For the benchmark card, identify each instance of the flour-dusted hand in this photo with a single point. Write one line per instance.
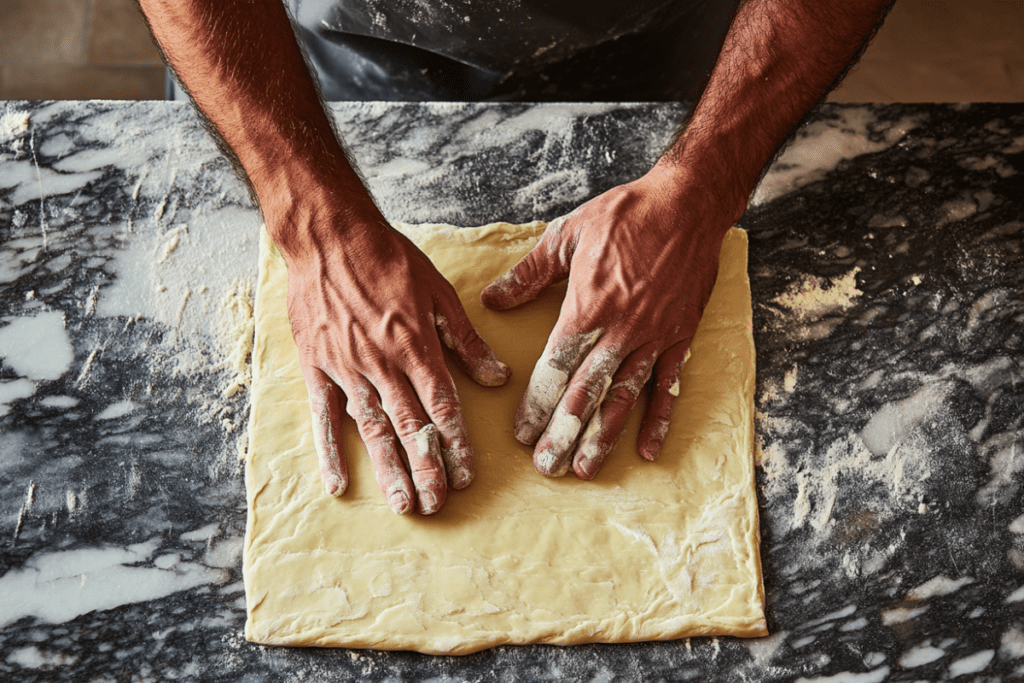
(369, 318)
(368, 310)
(641, 261)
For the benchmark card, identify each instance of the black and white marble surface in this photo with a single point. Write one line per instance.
(887, 268)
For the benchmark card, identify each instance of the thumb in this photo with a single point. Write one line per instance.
(469, 349)
(546, 264)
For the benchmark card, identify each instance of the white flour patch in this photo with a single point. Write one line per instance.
(195, 278)
(814, 297)
(12, 124)
(895, 481)
(893, 422)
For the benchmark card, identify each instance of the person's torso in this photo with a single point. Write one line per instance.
(511, 49)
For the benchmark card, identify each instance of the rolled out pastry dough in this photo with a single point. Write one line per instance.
(646, 551)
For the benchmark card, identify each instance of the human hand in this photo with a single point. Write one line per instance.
(641, 260)
(369, 316)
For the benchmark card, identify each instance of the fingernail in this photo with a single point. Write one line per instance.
(547, 463)
(399, 502)
(428, 502)
(461, 478)
(492, 373)
(584, 468)
(333, 485)
(504, 372)
(650, 450)
(499, 292)
(527, 433)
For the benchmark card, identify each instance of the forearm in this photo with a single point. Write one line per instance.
(779, 59)
(242, 66)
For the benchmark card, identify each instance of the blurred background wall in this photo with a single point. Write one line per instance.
(928, 51)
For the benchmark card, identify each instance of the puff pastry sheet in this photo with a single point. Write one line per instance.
(646, 551)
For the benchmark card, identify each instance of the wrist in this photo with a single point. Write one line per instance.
(703, 182)
(308, 217)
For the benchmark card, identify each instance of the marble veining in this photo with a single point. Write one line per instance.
(886, 268)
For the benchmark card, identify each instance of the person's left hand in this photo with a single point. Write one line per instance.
(641, 261)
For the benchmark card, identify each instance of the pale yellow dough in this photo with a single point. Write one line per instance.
(646, 551)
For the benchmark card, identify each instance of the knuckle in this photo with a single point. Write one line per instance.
(527, 270)
(441, 396)
(592, 391)
(446, 413)
(372, 430)
(469, 343)
(407, 424)
(623, 393)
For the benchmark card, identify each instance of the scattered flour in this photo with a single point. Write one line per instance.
(171, 239)
(235, 332)
(897, 477)
(891, 424)
(813, 297)
(12, 124)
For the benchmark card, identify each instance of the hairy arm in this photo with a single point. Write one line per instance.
(242, 66)
(644, 256)
(368, 310)
(780, 59)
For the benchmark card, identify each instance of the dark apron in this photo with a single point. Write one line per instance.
(533, 50)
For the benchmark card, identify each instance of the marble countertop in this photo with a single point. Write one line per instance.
(888, 285)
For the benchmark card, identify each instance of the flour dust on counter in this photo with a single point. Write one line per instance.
(124, 286)
(903, 561)
(891, 315)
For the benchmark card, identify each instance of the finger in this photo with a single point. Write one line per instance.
(545, 264)
(382, 445)
(585, 392)
(419, 438)
(663, 397)
(605, 425)
(325, 407)
(548, 381)
(471, 352)
(441, 401)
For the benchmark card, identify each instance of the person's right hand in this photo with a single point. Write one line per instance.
(369, 315)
